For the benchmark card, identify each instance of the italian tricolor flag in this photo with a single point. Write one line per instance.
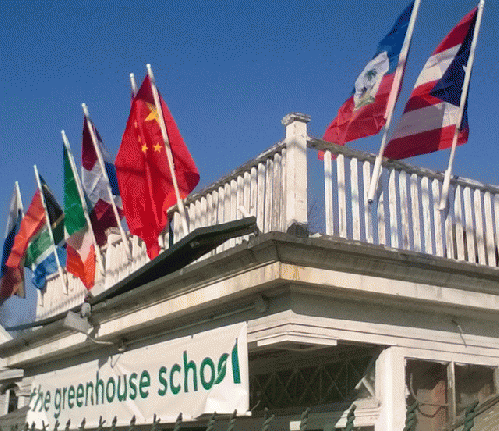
(80, 243)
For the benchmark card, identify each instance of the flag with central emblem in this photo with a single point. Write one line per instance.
(364, 112)
(142, 170)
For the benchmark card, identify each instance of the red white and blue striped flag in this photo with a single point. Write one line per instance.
(431, 114)
(365, 111)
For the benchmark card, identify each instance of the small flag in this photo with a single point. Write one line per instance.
(80, 242)
(430, 116)
(365, 111)
(40, 257)
(142, 168)
(12, 279)
(32, 222)
(95, 184)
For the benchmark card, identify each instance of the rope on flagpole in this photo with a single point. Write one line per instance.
(392, 99)
(169, 154)
(51, 234)
(108, 184)
(82, 200)
(462, 102)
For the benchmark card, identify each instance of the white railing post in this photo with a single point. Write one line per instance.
(296, 205)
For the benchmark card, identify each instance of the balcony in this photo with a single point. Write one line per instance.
(287, 190)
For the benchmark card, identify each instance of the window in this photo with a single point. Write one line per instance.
(444, 390)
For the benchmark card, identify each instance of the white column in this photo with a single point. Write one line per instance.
(390, 389)
(296, 173)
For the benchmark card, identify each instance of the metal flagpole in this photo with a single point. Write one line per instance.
(51, 234)
(392, 100)
(133, 85)
(104, 173)
(169, 154)
(82, 200)
(19, 200)
(464, 94)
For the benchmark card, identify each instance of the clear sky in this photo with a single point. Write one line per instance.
(228, 70)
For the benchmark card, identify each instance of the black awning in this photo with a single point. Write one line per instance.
(199, 242)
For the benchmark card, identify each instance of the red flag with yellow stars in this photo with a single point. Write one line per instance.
(142, 170)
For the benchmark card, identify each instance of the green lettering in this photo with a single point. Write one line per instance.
(236, 373)
(57, 403)
(90, 391)
(110, 397)
(64, 392)
(222, 368)
(80, 393)
(99, 383)
(133, 386)
(207, 362)
(122, 396)
(190, 366)
(145, 382)
(71, 395)
(175, 369)
(162, 381)
(46, 403)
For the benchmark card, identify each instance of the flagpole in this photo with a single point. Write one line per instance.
(392, 99)
(462, 102)
(133, 85)
(51, 234)
(19, 200)
(82, 200)
(169, 154)
(104, 173)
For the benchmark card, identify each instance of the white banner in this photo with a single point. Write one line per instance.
(203, 373)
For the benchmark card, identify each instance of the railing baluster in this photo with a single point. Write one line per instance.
(425, 199)
(268, 195)
(404, 211)
(449, 238)
(489, 227)
(416, 221)
(282, 209)
(276, 192)
(459, 231)
(480, 243)
(470, 233)
(233, 207)
(328, 192)
(392, 202)
(240, 209)
(437, 218)
(381, 219)
(247, 192)
(254, 191)
(227, 203)
(261, 197)
(342, 201)
(354, 186)
(368, 225)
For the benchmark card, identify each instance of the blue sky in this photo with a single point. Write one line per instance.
(228, 70)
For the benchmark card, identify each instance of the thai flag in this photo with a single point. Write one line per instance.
(96, 185)
(364, 113)
(430, 116)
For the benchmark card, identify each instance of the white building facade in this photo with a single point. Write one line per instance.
(342, 303)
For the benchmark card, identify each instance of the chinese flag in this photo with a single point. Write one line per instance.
(142, 170)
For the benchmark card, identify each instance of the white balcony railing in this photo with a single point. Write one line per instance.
(273, 187)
